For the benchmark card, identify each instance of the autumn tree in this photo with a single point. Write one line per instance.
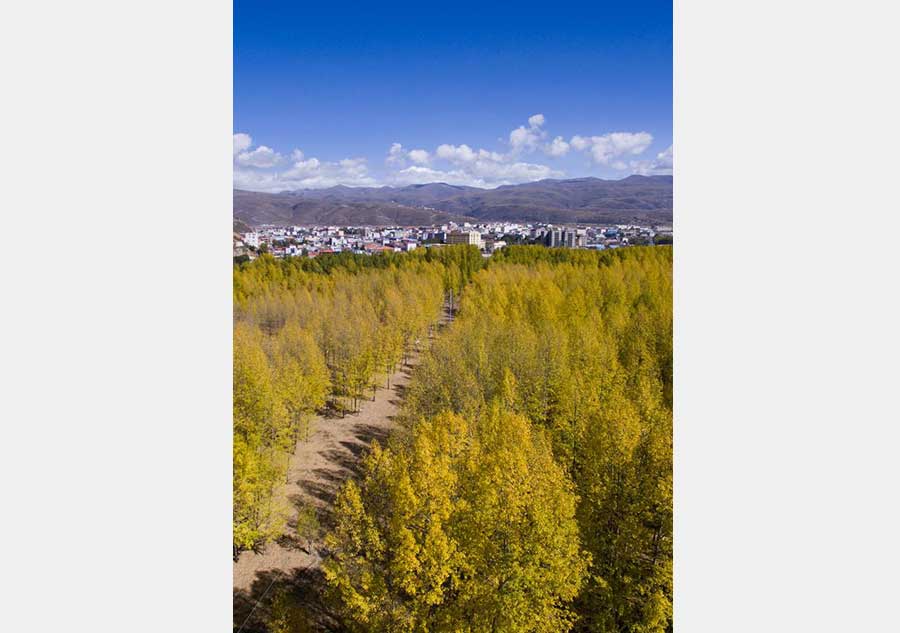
(465, 526)
(306, 332)
(537, 425)
(261, 431)
(581, 345)
(284, 615)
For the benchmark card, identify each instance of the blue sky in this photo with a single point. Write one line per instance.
(467, 93)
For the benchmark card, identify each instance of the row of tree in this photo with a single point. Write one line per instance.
(278, 381)
(312, 336)
(532, 489)
(458, 264)
(469, 526)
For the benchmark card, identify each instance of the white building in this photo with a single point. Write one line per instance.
(472, 238)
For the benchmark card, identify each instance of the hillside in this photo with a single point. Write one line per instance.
(265, 208)
(579, 200)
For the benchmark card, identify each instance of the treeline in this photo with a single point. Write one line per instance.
(278, 381)
(525, 254)
(532, 490)
(311, 336)
(264, 274)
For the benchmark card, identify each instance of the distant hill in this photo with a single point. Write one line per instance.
(580, 200)
(352, 209)
(239, 226)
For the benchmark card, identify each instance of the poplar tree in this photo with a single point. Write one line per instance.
(468, 526)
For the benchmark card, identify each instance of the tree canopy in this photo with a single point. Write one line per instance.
(580, 344)
(529, 486)
(310, 334)
(467, 526)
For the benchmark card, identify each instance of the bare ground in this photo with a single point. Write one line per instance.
(318, 468)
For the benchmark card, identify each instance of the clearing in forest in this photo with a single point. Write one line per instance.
(318, 468)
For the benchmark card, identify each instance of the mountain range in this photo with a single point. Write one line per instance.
(638, 199)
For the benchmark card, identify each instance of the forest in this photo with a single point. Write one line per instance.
(528, 486)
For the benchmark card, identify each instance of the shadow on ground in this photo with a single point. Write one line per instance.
(305, 589)
(306, 586)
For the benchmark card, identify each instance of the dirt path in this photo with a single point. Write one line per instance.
(317, 469)
(316, 472)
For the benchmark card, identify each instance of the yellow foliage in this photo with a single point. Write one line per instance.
(466, 526)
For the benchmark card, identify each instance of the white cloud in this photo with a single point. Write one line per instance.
(262, 156)
(395, 154)
(606, 149)
(527, 139)
(617, 144)
(483, 154)
(536, 120)
(457, 154)
(662, 165)
(416, 175)
(303, 169)
(481, 168)
(258, 181)
(666, 159)
(305, 173)
(240, 142)
(419, 156)
(580, 143)
(478, 173)
(523, 138)
(558, 147)
(258, 169)
(354, 168)
(497, 174)
(253, 170)
(315, 174)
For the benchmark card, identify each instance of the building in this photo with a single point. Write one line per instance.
(566, 238)
(371, 249)
(239, 249)
(553, 237)
(251, 239)
(472, 238)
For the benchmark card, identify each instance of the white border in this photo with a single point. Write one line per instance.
(786, 315)
(115, 459)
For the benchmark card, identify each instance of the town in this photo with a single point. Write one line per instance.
(311, 241)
